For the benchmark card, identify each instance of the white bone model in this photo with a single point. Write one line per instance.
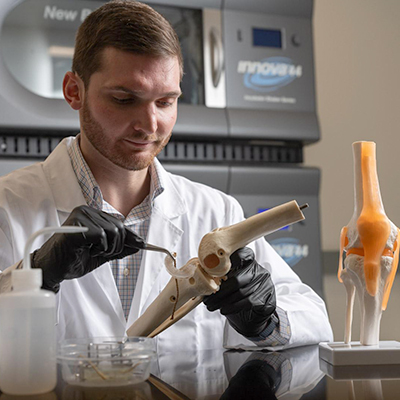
(370, 241)
(202, 276)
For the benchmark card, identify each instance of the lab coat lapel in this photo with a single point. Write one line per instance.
(67, 195)
(106, 284)
(61, 177)
(164, 232)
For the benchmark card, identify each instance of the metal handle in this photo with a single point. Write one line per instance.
(216, 56)
(214, 59)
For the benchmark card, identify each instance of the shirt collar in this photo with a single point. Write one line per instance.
(91, 189)
(156, 181)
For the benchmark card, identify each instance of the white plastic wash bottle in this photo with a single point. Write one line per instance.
(27, 329)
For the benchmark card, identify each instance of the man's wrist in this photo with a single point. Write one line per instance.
(271, 325)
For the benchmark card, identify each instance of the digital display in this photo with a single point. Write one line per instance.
(267, 38)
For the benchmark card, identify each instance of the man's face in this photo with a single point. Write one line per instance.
(129, 108)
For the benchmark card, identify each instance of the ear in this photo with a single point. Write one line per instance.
(74, 90)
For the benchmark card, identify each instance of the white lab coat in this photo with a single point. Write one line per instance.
(44, 194)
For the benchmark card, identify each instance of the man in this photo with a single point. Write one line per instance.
(125, 84)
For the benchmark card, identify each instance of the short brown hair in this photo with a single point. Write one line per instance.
(125, 25)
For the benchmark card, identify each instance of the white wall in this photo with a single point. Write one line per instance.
(357, 62)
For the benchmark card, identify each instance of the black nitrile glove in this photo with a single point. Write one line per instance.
(247, 297)
(256, 380)
(72, 255)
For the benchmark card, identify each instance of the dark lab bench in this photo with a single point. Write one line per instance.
(235, 375)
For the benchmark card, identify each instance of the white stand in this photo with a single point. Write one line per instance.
(359, 372)
(339, 353)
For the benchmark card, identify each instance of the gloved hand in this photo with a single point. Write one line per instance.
(247, 297)
(68, 256)
(255, 379)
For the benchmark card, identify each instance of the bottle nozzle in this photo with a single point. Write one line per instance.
(44, 231)
(27, 278)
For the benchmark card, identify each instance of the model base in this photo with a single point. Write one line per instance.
(359, 372)
(354, 353)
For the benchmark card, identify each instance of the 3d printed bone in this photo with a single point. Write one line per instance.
(370, 242)
(204, 274)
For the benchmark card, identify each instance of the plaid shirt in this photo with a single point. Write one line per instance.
(125, 271)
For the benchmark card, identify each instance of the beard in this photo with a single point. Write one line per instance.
(117, 151)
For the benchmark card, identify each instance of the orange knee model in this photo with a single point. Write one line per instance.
(373, 226)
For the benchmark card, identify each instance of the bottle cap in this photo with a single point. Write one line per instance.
(25, 279)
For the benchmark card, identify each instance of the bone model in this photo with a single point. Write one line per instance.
(202, 276)
(370, 241)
